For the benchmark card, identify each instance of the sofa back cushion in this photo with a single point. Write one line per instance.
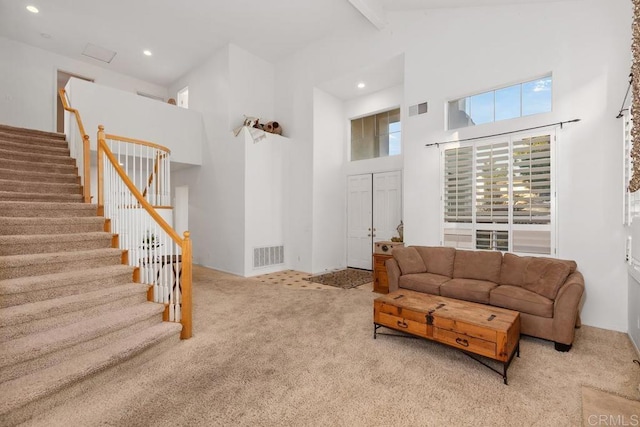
(438, 260)
(409, 260)
(543, 276)
(479, 265)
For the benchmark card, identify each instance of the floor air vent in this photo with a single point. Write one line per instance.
(269, 255)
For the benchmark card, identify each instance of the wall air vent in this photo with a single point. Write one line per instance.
(99, 53)
(268, 255)
(414, 110)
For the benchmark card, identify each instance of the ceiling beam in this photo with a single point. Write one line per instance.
(372, 10)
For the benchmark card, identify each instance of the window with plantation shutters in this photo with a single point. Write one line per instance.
(498, 195)
(532, 180)
(492, 183)
(458, 177)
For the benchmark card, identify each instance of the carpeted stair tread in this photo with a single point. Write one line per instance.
(61, 225)
(34, 141)
(36, 159)
(15, 145)
(119, 301)
(47, 243)
(38, 385)
(13, 130)
(41, 344)
(40, 177)
(12, 266)
(36, 288)
(26, 165)
(14, 185)
(25, 313)
(31, 209)
(43, 197)
(35, 259)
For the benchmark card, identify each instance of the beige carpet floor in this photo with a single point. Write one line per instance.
(604, 408)
(267, 355)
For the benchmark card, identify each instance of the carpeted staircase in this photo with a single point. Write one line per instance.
(69, 309)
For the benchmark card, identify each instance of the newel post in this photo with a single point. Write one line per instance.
(187, 276)
(100, 170)
(86, 168)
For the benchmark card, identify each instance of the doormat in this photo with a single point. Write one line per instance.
(345, 279)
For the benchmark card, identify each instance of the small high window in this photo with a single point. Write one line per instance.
(377, 135)
(522, 99)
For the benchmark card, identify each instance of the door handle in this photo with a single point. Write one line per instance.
(369, 235)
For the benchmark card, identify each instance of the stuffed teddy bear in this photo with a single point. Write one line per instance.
(273, 127)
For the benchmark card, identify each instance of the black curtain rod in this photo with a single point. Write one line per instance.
(437, 144)
(625, 97)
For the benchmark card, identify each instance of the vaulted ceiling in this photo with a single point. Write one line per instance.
(182, 34)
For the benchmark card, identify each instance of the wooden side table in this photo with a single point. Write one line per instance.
(380, 279)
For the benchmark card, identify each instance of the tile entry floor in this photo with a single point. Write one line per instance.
(295, 279)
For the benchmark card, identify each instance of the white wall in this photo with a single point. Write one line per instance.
(238, 178)
(490, 47)
(264, 185)
(634, 308)
(253, 82)
(28, 83)
(294, 110)
(329, 183)
(134, 116)
(216, 189)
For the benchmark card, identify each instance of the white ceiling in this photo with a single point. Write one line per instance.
(376, 77)
(182, 34)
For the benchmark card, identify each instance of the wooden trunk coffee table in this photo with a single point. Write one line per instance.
(475, 329)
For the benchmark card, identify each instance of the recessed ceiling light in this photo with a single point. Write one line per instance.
(361, 85)
(147, 52)
(32, 9)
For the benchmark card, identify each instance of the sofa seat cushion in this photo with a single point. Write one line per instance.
(522, 300)
(543, 276)
(428, 283)
(468, 290)
(438, 260)
(479, 265)
(409, 260)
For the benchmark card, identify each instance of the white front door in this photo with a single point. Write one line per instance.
(387, 205)
(359, 221)
(374, 211)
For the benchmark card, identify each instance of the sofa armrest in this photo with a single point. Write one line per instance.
(566, 308)
(393, 273)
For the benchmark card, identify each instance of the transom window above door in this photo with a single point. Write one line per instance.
(377, 135)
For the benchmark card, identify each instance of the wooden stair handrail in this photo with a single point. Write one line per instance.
(185, 243)
(136, 141)
(156, 166)
(86, 160)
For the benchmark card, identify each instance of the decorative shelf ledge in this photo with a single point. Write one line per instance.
(258, 134)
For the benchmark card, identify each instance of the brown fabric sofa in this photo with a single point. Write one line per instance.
(546, 291)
